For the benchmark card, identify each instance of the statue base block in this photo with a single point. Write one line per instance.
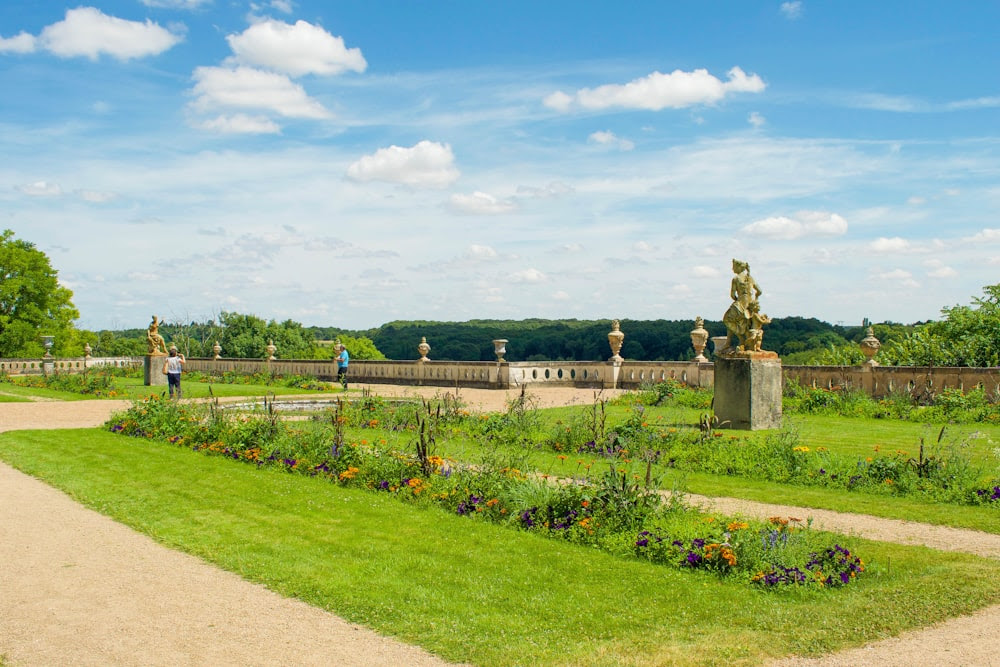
(152, 371)
(748, 391)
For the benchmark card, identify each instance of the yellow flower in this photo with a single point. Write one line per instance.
(737, 525)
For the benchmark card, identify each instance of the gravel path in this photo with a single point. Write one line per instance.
(78, 588)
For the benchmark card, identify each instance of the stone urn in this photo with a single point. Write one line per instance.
(87, 350)
(699, 338)
(615, 339)
(271, 349)
(217, 350)
(423, 348)
(719, 344)
(47, 342)
(870, 346)
(500, 349)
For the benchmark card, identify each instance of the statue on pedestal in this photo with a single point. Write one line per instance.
(744, 320)
(155, 343)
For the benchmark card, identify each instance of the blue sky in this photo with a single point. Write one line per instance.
(348, 164)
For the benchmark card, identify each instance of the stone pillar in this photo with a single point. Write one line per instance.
(748, 391)
(152, 370)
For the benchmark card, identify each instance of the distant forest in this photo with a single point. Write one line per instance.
(581, 340)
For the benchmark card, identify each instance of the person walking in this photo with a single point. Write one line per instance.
(172, 369)
(343, 358)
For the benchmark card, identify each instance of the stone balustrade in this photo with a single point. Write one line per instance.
(878, 381)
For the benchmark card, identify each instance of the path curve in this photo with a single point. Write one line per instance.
(62, 603)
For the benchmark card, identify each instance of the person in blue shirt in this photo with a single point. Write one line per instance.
(342, 360)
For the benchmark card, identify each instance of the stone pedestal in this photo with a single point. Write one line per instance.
(152, 370)
(748, 391)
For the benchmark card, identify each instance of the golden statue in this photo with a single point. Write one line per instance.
(155, 342)
(744, 319)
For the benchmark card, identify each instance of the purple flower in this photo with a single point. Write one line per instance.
(698, 543)
(642, 542)
(384, 485)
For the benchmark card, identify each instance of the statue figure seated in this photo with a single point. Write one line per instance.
(154, 341)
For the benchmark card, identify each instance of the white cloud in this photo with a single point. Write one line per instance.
(791, 10)
(282, 5)
(916, 201)
(87, 31)
(40, 189)
(561, 295)
(569, 248)
(610, 139)
(428, 163)
(302, 48)
(643, 247)
(528, 276)
(805, 223)
(480, 203)
(240, 124)
(938, 269)
(985, 236)
(245, 87)
(480, 252)
(659, 91)
(895, 244)
(20, 43)
(756, 119)
(703, 271)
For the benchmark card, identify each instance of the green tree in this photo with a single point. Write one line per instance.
(32, 302)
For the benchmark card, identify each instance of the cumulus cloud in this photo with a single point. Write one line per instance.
(428, 163)
(805, 223)
(938, 269)
(480, 252)
(528, 276)
(40, 189)
(20, 43)
(791, 10)
(240, 124)
(702, 271)
(610, 139)
(756, 119)
(658, 91)
(987, 235)
(895, 244)
(296, 50)
(479, 203)
(86, 31)
(245, 87)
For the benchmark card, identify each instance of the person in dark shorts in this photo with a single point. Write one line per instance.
(172, 369)
(342, 360)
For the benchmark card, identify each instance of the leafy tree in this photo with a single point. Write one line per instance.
(32, 302)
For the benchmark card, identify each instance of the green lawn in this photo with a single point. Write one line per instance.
(473, 592)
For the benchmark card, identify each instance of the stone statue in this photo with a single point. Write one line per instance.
(155, 342)
(744, 315)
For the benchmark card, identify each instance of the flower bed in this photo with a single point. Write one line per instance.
(612, 510)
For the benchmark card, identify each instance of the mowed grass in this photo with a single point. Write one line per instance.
(473, 592)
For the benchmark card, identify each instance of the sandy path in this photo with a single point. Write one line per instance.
(76, 587)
